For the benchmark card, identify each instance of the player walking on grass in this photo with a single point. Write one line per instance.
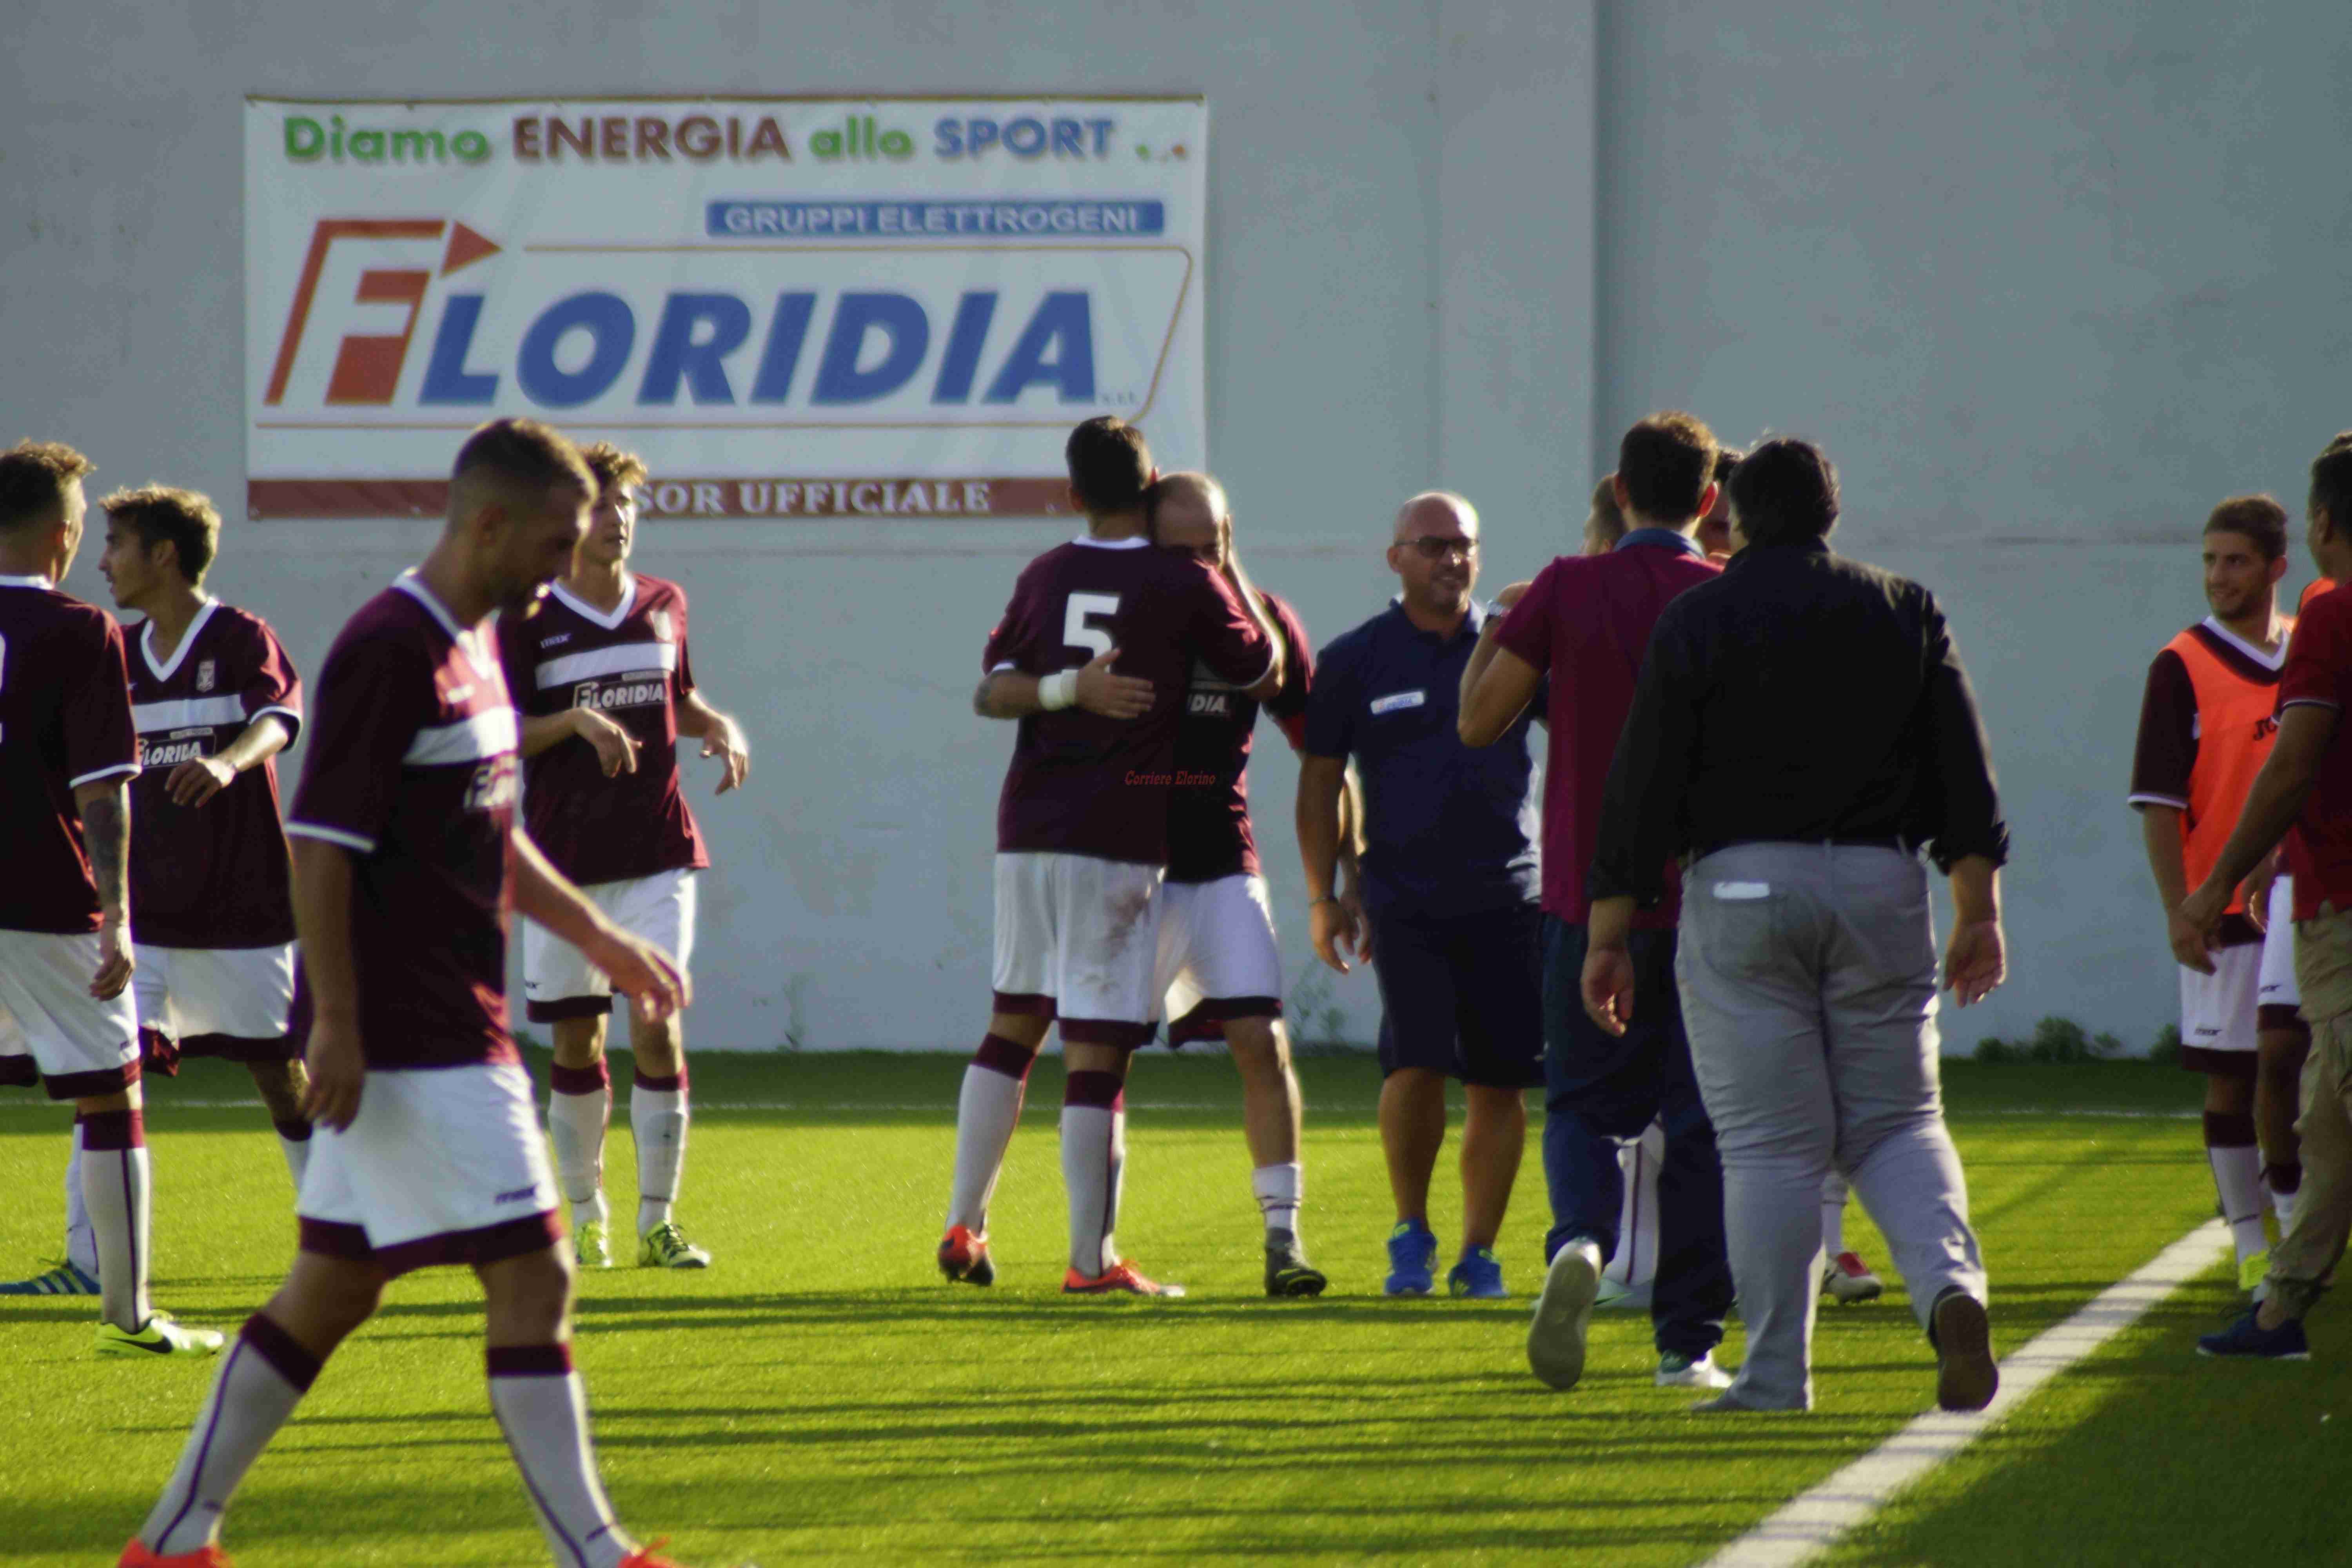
(1220, 966)
(1082, 834)
(2206, 725)
(602, 681)
(67, 752)
(407, 852)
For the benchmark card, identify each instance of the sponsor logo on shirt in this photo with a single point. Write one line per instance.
(1396, 702)
(1212, 704)
(496, 785)
(635, 689)
(558, 637)
(180, 746)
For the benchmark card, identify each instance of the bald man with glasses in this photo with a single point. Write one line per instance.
(1446, 907)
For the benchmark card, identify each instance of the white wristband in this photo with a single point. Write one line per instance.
(1056, 691)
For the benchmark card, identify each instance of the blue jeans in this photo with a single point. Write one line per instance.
(1601, 1088)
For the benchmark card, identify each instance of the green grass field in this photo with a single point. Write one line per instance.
(822, 1395)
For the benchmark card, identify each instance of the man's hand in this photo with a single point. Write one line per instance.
(194, 782)
(650, 976)
(2192, 926)
(1974, 963)
(1114, 696)
(616, 749)
(115, 962)
(725, 740)
(1607, 985)
(1339, 931)
(337, 1072)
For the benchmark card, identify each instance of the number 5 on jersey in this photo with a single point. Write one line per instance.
(1078, 615)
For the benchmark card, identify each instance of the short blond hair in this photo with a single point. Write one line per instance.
(613, 469)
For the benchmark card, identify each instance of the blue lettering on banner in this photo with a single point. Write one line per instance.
(924, 219)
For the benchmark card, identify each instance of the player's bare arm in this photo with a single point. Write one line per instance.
(2275, 799)
(1496, 684)
(323, 923)
(615, 748)
(2159, 831)
(720, 736)
(1264, 690)
(1336, 926)
(636, 966)
(106, 837)
(194, 782)
(1097, 687)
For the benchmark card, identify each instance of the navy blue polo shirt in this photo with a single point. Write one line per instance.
(1449, 829)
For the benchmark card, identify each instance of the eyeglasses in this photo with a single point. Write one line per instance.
(1430, 547)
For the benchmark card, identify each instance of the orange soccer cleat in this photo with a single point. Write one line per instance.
(963, 1256)
(1121, 1279)
(139, 1554)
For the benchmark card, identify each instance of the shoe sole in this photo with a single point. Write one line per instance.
(2251, 1355)
(166, 1349)
(974, 1270)
(1293, 1284)
(1966, 1374)
(1854, 1295)
(1563, 1319)
(1165, 1292)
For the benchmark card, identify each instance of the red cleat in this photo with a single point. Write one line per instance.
(963, 1256)
(1121, 1279)
(139, 1554)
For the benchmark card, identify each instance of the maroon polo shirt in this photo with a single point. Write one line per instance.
(1586, 622)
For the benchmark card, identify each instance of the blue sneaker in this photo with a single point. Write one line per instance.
(64, 1279)
(1413, 1256)
(1479, 1275)
(2249, 1339)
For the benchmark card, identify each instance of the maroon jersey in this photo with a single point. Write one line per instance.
(631, 666)
(213, 875)
(1081, 783)
(65, 722)
(1208, 811)
(411, 768)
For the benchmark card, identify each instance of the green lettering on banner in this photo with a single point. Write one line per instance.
(305, 139)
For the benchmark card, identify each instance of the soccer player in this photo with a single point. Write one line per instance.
(1220, 967)
(67, 751)
(1082, 834)
(603, 680)
(406, 851)
(2206, 723)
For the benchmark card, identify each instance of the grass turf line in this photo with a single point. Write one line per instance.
(820, 1394)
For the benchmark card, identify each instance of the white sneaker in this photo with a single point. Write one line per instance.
(1681, 1371)
(1564, 1315)
(1848, 1279)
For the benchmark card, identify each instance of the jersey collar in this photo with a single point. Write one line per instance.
(170, 667)
(475, 653)
(2253, 651)
(1133, 542)
(582, 608)
(35, 581)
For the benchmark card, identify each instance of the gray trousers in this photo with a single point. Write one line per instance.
(1808, 981)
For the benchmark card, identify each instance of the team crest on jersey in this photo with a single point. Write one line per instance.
(203, 674)
(659, 620)
(496, 783)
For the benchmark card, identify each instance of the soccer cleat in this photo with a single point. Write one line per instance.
(1676, 1370)
(63, 1279)
(1287, 1272)
(592, 1244)
(2251, 1271)
(1848, 1279)
(649, 1556)
(158, 1336)
(139, 1554)
(2246, 1339)
(1412, 1260)
(1966, 1378)
(1563, 1319)
(963, 1256)
(1121, 1279)
(665, 1246)
(1478, 1276)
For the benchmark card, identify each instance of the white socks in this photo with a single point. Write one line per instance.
(579, 1105)
(543, 1411)
(114, 1183)
(81, 1241)
(2238, 1177)
(261, 1380)
(987, 1110)
(657, 1117)
(1279, 1189)
(1094, 1158)
(1833, 1215)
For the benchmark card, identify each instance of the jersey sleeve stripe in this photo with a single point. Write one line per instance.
(124, 768)
(293, 720)
(2310, 702)
(2145, 798)
(622, 659)
(332, 836)
(470, 739)
(186, 712)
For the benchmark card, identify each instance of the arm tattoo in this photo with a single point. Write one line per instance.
(106, 833)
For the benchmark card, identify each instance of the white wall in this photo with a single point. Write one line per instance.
(2047, 283)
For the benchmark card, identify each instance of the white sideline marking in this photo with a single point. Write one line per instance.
(2037, 1112)
(1815, 1519)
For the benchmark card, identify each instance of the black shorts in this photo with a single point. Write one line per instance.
(1464, 995)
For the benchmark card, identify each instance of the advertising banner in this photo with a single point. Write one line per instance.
(791, 308)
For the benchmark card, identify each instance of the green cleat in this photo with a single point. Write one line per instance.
(62, 1279)
(158, 1336)
(1287, 1272)
(665, 1246)
(592, 1246)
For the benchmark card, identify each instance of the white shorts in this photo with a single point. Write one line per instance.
(2278, 984)
(53, 1032)
(2217, 1010)
(557, 981)
(441, 1165)
(1077, 939)
(218, 1002)
(1218, 956)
